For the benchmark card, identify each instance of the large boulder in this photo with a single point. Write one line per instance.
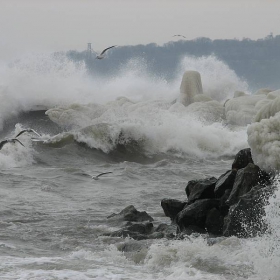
(130, 214)
(242, 159)
(224, 182)
(214, 221)
(200, 189)
(223, 205)
(195, 214)
(172, 207)
(246, 178)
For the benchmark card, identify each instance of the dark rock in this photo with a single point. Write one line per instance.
(168, 231)
(161, 227)
(156, 235)
(145, 228)
(214, 222)
(200, 189)
(196, 213)
(224, 182)
(172, 207)
(223, 206)
(242, 159)
(189, 230)
(131, 214)
(245, 179)
(245, 218)
(135, 231)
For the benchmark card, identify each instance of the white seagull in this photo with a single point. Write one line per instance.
(96, 177)
(102, 54)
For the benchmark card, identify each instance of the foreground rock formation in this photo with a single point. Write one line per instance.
(229, 205)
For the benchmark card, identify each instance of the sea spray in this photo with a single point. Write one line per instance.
(157, 126)
(218, 80)
(265, 249)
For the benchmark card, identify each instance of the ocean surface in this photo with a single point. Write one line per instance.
(53, 215)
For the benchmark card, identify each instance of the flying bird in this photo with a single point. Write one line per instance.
(95, 177)
(102, 54)
(13, 140)
(101, 174)
(178, 36)
(28, 130)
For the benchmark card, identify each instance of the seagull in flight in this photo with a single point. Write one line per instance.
(178, 36)
(28, 130)
(102, 54)
(13, 140)
(96, 177)
(101, 174)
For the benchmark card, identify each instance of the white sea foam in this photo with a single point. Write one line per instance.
(265, 250)
(157, 126)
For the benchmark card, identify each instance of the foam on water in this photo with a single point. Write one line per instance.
(265, 250)
(144, 114)
(157, 126)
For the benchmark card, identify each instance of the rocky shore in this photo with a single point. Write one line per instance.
(231, 205)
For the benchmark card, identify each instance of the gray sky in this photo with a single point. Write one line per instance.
(54, 25)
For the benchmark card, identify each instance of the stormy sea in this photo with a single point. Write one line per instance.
(152, 140)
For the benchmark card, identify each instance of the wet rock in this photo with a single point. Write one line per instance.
(245, 217)
(223, 206)
(172, 207)
(214, 221)
(131, 214)
(136, 231)
(196, 213)
(168, 231)
(246, 178)
(242, 159)
(200, 189)
(230, 205)
(224, 182)
(145, 228)
(189, 230)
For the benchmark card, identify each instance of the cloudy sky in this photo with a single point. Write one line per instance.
(54, 25)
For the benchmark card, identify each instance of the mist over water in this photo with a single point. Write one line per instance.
(53, 79)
